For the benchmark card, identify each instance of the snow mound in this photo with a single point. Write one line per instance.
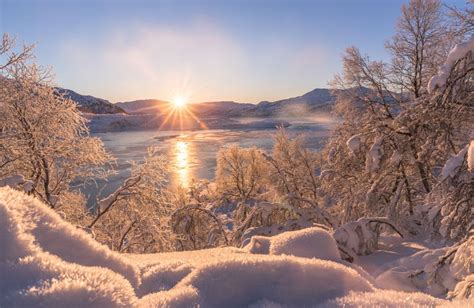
(385, 299)
(306, 243)
(46, 262)
(281, 279)
(457, 53)
(33, 276)
(57, 237)
(259, 245)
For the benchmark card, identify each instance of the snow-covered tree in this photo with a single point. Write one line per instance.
(451, 205)
(293, 171)
(419, 46)
(241, 173)
(385, 157)
(43, 137)
(136, 216)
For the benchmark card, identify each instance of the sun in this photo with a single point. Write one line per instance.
(180, 112)
(179, 102)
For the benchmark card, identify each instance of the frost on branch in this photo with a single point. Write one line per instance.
(452, 272)
(450, 206)
(457, 53)
(270, 219)
(354, 144)
(358, 238)
(453, 164)
(464, 289)
(470, 157)
(372, 162)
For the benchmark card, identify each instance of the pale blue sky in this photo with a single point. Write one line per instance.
(239, 50)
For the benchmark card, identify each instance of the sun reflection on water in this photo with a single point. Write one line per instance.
(181, 150)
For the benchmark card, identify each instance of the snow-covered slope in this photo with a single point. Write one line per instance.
(91, 104)
(317, 100)
(144, 106)
(44, 261)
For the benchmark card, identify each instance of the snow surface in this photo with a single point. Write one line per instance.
(307, 243)
(458, 52)
(44, 261)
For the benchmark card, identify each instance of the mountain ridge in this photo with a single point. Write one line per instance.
(91, 104)
(316, 100)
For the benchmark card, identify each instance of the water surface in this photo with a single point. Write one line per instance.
(192, 154)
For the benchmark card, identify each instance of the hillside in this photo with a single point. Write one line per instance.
(91, 104)
(205, 109)
(144, 106)
(315, 101)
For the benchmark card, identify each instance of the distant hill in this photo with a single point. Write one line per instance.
(144, 106)
(318, 100)
(230, 109)
(91, 104)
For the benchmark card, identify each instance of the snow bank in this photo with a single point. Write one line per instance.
(458, 52)
(281, 279)
(307, 243)
(385, 299)
(433, 271)
(33, 276)
(407, 273)
(46, 262)
(55, 236)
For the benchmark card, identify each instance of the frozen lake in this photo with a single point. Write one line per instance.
(192, 154)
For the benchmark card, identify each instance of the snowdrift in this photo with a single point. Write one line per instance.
(44, 261)
(307, 243)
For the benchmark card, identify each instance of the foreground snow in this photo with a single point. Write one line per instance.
(44, 261)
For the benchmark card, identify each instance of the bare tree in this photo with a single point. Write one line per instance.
(419, 45)
(384, 158)
(136, 216)
(241, 173)
(43, 137)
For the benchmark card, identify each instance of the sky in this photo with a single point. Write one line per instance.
(239, 50)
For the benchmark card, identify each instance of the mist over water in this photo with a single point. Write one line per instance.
(192, 154)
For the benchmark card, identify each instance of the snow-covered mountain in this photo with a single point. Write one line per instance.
(91, 104)
(144, 106)
(206, 109)
(315, 101)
